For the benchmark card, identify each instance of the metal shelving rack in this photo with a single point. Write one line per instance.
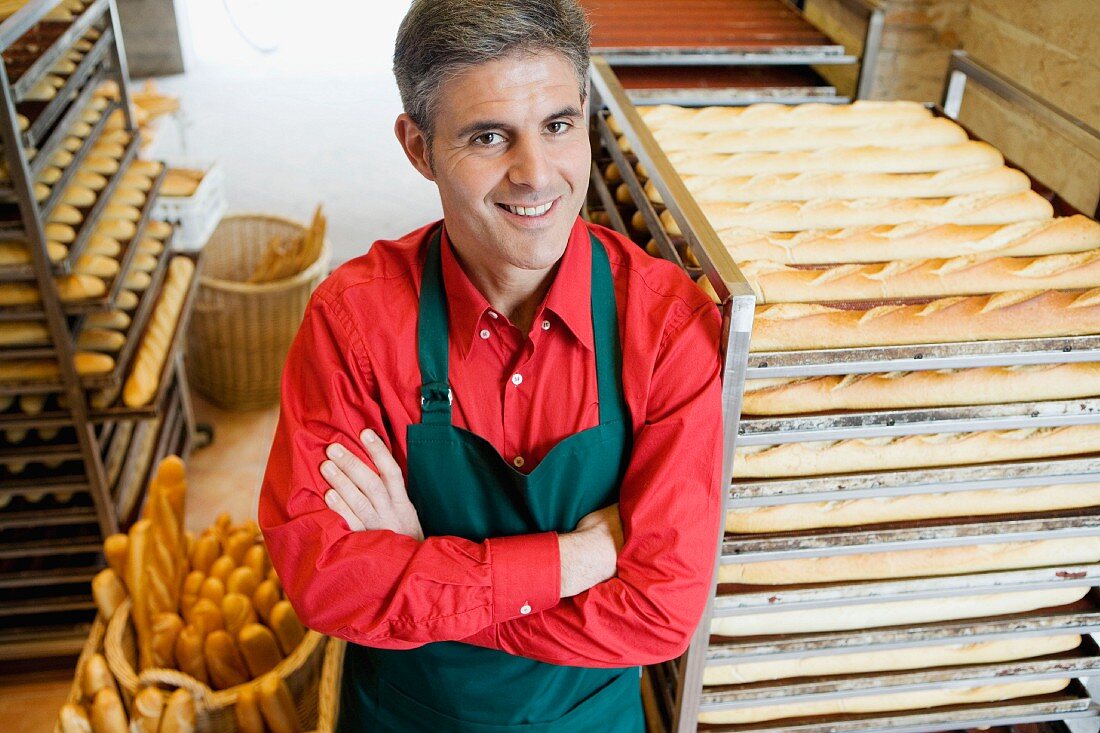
(677, 687)
(83, 475)
(761, 51)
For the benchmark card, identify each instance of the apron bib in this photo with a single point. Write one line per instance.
(462, 487)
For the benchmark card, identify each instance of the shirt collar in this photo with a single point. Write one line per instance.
(569, 297)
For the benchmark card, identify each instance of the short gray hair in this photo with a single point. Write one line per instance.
(441, 38)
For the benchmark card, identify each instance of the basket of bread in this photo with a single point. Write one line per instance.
(205, 615)
(258, 275)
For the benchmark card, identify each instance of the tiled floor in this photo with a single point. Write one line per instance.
(224, 476)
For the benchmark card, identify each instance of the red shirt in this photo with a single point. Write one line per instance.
(354, 365)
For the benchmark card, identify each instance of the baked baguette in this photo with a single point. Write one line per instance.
(861, 159)
(108, 715)
(96, 677)
(815, 185)
(213, 589)
(116, 549)
(16, 253)
(71, 288)
(189, 653)
(810, 115)
(147, 709)
(924, 133)
(108, 592)
(24, 333)
(102, 245)
(242, 580)
(100, 339)
(921, 657)
(913, 507)
(257, 559)
(288, 629)
(811, 458)
(116, 320)
(915, 241)
(97, 265)
(892, 613)
(149, 361)
(259, 648)
(277, 705)
(1007, 315)
(223, 661)
(876, 703)
(179, 713)
(929, 388)
(783, 216)
(935, 278)
(86, 363)
(206, 550)
(246, 711)
(74, 719)
(914, 563)
(238, 612)
(166, 628)
(265, 597)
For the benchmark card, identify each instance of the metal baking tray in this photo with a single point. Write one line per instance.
(1072, 703)
(915, 535)
(142, 458)
(736, 600)
(60, 130)
(700, 86)
(26, 81)
(1079, 617)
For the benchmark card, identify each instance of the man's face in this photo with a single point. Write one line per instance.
(511, 158)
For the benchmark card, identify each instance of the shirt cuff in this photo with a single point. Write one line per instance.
(526, 575)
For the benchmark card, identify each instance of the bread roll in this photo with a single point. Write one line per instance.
(73, 719)
(66, 214)
(97, 265)
(148, 707)
(137, 280)
(813, 458)
(1006, 315)
(116, 320)
(108, 592)
(127, 196)
(875, 703)
(207, 549)
(150, 247)
(115, 228)
(238, 544)
(889, 660)
(247, 713)
(213, 590)
(144, 262)
(96, 677)
(222, 567)
(108, 715)
(256, 558)
(914, 563)
(206, 616)
(179, 713)
(265, 597)
(794, 216)
(189, 653)
(189, 593)
(176, 184)
(71, 288)
(277, 705)
(813, 115)
(116, 548)
(126, 300)
(78, 196)
(122, 212)
(166, 627)
(891, 613)
(238, 612)
(100, 244)
(242, 580)
(24, 333)
(288, 629)
(158, 229)
(223, 661)
(259, 648)
(101, 339)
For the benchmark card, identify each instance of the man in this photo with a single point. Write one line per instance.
(496, 466)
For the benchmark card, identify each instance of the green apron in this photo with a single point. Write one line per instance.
(462, 487)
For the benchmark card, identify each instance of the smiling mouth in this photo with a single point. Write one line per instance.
(527, 210)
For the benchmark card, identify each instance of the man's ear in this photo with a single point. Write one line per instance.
(415, 144)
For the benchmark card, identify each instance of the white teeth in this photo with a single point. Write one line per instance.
(529, 210)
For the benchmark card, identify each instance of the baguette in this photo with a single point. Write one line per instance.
(924, 133)
(238, 544)
(914, 563)
(137, 581)
(264, 599)
(116, 548)
(805, 116)
(148, 707)
(116, 320)
(74, 719)
(861, 159)
(189, 653)
(100, 339)
(827, 185)
(65, 214)
(915, 241)
(207, 549)
(97, 265)
(256, 558)
(213, 590)
(62, 233)
(24, 333)
(1007, 315)
(85, 363)
(126, 300)
(189, 593)
(158, 229)
(117, 229)
(242, 580)
(222, 567)
(108, 715)
(247, 713)
(793, 216)
(223, 661)
(776, 283)
(126, 196)
(288, 629)
(928, 388)
(16, 253)
(206, 616)
(143, 381)
(876, 703)
(108, 592)
(878, 614)
(166, 629)
(78, 196)
(238, 612)
(922, 657)
(277, 705)
(179, 713)
(71, 288)
(912, 451)
(96, 677)
(100, 244)
(914, 507)
(259, 648)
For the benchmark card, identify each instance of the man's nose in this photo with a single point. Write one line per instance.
(531, 164)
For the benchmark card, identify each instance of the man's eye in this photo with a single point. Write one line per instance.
(558, 127)
(488, 138)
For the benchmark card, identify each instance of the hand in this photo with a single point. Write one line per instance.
(589, 554)
(367, 500)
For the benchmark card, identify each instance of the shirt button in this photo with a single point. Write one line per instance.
(518, 461)
(546, 325)
(492, 314)
(517, 379)
(525, 609)
(484, 333)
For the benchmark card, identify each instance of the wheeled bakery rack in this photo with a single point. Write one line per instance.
(728, 52)
(73, 467)
(676, 695)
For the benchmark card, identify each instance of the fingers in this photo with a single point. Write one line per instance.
(337, 504)
(353, 499)
(367, 481)
(388, 469)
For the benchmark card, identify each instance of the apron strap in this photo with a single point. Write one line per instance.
(435, 390)
(432, 326)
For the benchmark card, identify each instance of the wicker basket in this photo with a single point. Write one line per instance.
(328, 693)
(93, 645)
(240, 332)
(301, 670)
